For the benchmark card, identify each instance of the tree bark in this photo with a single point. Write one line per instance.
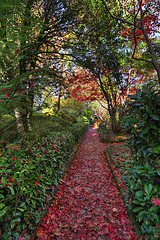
(19, 122)
(59, 99)
(114, 125)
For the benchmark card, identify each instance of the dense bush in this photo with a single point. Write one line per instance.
(83, 119)
(107, 135)
(68, 117)
(47, 123)
(78, 129)
(143, 123)
(41, 124)
(143, 175)
(30, 172)
(8, 129)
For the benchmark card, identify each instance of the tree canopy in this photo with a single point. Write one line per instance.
(43, 43)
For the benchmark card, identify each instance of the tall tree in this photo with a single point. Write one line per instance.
(141, 22)
(97, 49)
(32, 40)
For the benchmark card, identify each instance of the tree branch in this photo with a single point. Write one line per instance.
(102, 104)
(117, 18)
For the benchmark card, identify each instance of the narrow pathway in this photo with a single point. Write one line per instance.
(87, 204)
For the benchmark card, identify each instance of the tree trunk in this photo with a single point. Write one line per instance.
(151, 50)
(59, 99)
(20, 126)
(30, 109)
(114, 123)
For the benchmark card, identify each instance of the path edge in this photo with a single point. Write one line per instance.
(130, 214)
(34, 233)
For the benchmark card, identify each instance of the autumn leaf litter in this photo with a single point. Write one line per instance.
(87, 205)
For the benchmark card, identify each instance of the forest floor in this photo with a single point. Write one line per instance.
(87, 204)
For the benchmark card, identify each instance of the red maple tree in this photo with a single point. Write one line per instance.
(85, 88)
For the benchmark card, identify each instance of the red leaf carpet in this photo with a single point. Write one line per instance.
(87, 205)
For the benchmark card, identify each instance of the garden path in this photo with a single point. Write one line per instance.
(87, 204)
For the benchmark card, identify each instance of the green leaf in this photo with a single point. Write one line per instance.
(2, 205)
(147, 166)
(137, 209)
(12, 223)
(139, 193)
(148, 109)
(155, 117)
(3, 180)
(2, 212)
(155, 217)
(22, 204)
(140, 217)
(1, 196)
(12, 190)
(157, 150)
(145, 130)
(158, 228)
(150, 150)
(21, 209)
(158, 171)
(148, 188)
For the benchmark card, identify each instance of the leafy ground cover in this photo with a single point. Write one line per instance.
(30, 172)
(114, 154)
(142, 199)
(143, 171)
(107, 135)
(88, 204)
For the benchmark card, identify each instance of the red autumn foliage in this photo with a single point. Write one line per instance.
(85, 88)
(150, 21)
(88, 204)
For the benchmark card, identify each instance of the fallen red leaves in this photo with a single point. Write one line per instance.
(88, 204)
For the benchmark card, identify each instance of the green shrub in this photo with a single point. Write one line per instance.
(83, 119)
(30, 172)
(54, 126)
(68, 117)
(8, 128)
(44, 124)
(143, 176)
(78, 130)
(143, 122)
(7, 118)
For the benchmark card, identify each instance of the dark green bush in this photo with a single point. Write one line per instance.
(78, 130)
(68, 117)
(143, 176)
(8, 129)
(44, 124)
(30, 171)
(143, 122)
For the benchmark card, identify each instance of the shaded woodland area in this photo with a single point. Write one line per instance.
(66, 65)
